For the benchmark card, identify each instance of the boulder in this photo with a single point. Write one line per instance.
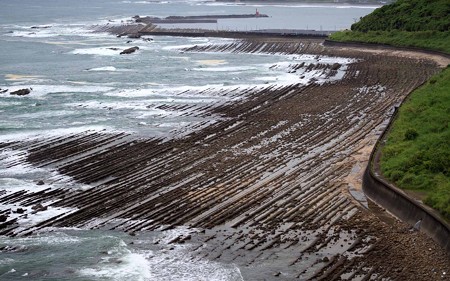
(40, 182)
(3, 90)
(129, 50)
(21, 92)
(3, 218)
(20, 211)
(335, 66)
(38, 207)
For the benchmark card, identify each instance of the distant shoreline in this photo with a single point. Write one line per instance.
(369, 3)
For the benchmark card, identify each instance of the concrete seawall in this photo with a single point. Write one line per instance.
(399, 203)
(332, 43)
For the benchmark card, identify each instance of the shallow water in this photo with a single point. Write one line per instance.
(74, 254)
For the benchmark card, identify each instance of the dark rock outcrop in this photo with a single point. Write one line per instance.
(21, 92)
(40, 26)
(129, 50)
(335, 66)
(3, 90)
(38, 207)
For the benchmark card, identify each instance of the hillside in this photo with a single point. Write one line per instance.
(406, 23)
(408, 15)
(417, 152)
(416, 155)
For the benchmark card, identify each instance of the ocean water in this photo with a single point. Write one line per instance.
(80, 82)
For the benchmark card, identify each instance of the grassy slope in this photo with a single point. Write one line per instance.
(408, 15)
(416, 23)
(417, 152)
(434, 40)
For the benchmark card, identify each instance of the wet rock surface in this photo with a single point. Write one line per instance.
(21, 92)
(129, 50)
(266, 187)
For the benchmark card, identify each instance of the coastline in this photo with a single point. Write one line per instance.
(269, 182)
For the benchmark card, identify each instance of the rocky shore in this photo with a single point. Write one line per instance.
(273, 186)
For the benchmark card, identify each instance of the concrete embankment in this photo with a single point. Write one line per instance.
(380, 190)
(332, 43)
(399, 203)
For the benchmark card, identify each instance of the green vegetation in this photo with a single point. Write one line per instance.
(434, 40)
(408, 15)
(417, 151)
(416, 155)
(406, 23)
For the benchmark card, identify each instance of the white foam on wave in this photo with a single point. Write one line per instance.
(99, 51)
(132, 267)
(321, 59)
(58, 29)
(16, 174)
(121, 264)
(50, 238)
(39, 91)
(11, 185)
(45, 133)
(107, 50)
(104, 68)
(226, 69)
(30, 217)
(33, 219)
(13, 163)
(46, 114)
(137, 93)
(161, 264)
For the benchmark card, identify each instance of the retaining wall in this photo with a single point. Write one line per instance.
(380, 46)
(399, 203)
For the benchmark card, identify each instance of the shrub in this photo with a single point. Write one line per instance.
(411, 134)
